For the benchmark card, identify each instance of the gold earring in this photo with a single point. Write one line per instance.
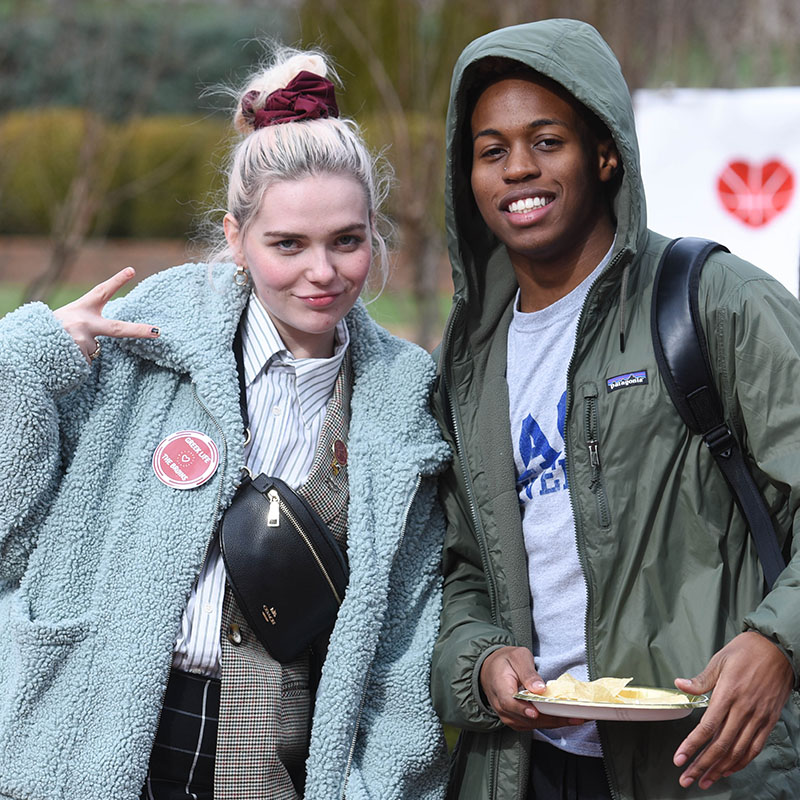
(241, 276)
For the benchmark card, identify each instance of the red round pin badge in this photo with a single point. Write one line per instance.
(185, 460)
(340, 452)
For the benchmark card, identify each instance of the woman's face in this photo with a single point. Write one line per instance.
(308, 251)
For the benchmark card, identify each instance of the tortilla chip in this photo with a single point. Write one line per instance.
(602, 690)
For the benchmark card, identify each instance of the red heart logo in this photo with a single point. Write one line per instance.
(755, 193)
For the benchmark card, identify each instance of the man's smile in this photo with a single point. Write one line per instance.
(528, 204)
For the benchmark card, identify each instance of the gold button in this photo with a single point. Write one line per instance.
(234, 634)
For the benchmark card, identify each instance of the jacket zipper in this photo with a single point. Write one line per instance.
(596, 486)
(223, 461)
(273, 521)
(352, 750)
(581, 546)
(473, 509)
(459, 443)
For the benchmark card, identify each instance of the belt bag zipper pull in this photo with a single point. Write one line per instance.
(274, 513)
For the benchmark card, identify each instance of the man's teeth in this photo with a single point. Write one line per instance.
(527, 204)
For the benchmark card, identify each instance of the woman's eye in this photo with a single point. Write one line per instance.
(286, 244)
(349, 240)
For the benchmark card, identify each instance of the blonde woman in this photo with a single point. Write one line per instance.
(129, 668)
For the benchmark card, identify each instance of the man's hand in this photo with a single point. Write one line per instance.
(752, 680)
(502, 673)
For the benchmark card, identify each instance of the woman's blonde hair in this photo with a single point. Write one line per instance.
(300, 149)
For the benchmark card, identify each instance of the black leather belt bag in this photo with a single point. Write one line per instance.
(285, 568)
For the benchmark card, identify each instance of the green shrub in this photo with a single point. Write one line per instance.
(156, 174)
(40, 154)
(166, 174)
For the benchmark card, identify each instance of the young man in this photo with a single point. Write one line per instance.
(589, 532)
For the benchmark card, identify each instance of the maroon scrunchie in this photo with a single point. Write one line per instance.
(306, 96)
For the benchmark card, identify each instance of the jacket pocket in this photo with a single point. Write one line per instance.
(44, 673)
(44, 657)
(591, 438)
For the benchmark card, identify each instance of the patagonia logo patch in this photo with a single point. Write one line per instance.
(638, 378)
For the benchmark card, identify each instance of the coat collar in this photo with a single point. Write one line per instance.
(197, 308)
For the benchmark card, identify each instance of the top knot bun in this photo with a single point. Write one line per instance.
(285, 67)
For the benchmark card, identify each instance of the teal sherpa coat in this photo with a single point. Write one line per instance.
(97, 556)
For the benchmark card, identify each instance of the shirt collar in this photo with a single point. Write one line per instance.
(314, 377)
(575, 296)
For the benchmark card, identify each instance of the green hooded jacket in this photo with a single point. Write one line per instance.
(671, 572)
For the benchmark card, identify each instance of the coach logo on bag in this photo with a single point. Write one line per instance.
(270, 615)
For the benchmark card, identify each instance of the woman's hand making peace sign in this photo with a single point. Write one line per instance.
(84, 322)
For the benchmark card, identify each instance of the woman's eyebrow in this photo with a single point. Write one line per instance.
(292, 235)
(356, 226)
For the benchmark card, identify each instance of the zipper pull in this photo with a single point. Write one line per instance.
(594, 454)
(274, 513)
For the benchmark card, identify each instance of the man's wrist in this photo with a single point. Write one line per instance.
(787, 654)
(477, 687)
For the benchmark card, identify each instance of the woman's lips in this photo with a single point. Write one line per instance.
(320, 300)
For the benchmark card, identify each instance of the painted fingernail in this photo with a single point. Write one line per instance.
(155, 331)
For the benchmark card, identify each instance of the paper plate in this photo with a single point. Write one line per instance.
(640, 704)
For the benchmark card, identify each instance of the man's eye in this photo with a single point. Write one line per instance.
(547, 144)
(492, 152)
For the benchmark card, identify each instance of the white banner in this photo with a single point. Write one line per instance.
(725, 164)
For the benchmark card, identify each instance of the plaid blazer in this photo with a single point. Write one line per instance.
(266, 706)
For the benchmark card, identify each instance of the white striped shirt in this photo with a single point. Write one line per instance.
(287, 399)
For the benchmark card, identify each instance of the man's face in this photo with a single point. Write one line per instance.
(538, 175)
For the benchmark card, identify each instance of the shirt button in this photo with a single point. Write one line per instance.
(234, 634)
(276, 411)
(208, 608)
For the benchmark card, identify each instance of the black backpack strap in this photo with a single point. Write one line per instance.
(683, 361)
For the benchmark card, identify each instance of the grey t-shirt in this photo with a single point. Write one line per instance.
(540, 345)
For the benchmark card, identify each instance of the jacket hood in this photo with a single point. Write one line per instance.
(574, 55)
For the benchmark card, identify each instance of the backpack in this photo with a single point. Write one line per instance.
(683, 360)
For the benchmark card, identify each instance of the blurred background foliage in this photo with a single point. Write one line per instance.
(98, 53)
(110, 125)
(156, 190)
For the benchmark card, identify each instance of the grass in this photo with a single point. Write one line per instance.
(397, 311)
(451, 735)
(11, 295)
